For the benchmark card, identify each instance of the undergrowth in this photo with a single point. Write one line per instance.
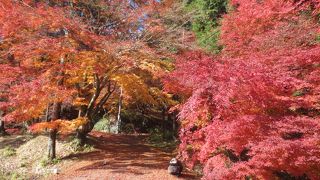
(8, 151)
(161, 139)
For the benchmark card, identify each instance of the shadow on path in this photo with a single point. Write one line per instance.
(121, 156)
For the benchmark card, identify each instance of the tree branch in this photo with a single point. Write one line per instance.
(95, 95)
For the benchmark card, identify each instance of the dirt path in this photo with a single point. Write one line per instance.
(120, 157)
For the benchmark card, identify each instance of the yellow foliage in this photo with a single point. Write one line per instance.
(80, 102)
(134, 88)
(162, 97)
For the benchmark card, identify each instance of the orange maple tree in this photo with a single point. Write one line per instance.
(50, 56)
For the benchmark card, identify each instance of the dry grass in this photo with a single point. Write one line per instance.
(24, 157)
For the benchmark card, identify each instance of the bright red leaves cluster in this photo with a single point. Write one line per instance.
(253, 111)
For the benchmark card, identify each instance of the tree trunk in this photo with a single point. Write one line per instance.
(119, 111)
(93, 110)
(84, 131)
(53, 133)
(47, 113)
(82, 137)
(52, 144)
(56, 114)
(79, 113)
(2, 128)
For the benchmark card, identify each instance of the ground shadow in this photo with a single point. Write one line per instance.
(13, 141)
(123, 154)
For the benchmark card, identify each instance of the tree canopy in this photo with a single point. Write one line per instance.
(247, 92)
(253, 110)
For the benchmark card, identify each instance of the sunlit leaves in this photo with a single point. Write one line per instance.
(62, 126)
(135, 88)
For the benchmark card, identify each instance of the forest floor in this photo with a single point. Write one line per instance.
(119, 157)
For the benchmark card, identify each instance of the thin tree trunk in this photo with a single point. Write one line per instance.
(95, 96)
(53, 133)
(119, 111)
(2, 128)
(79, 112)
(47, 113)
(52, 144)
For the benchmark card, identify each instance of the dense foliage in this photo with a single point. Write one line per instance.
(61, 69)
(253, 111)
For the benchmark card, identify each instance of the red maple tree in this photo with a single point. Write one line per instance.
(253, 110)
